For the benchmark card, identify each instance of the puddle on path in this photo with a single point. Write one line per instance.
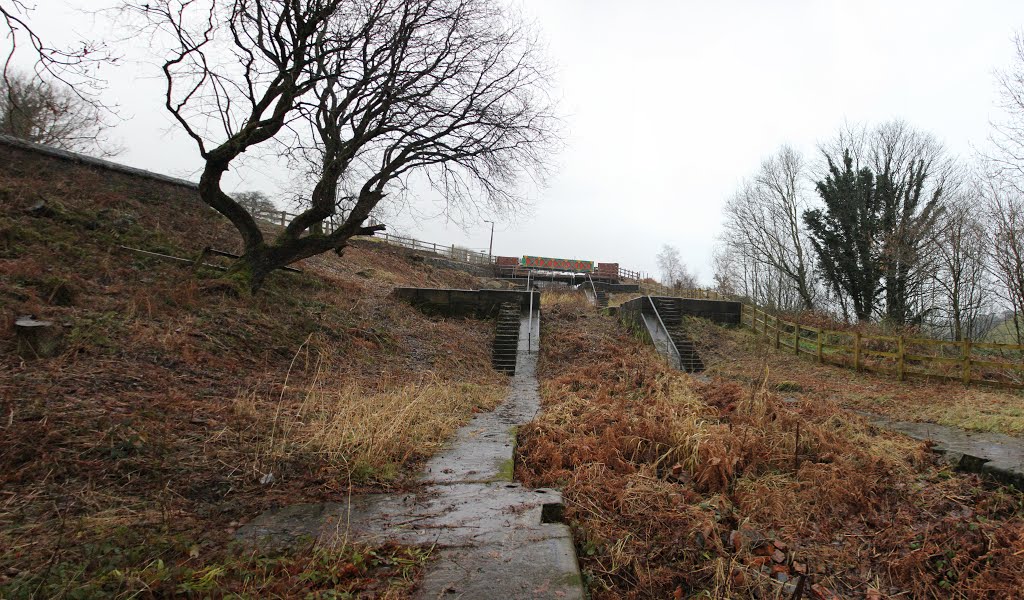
(1001, 456)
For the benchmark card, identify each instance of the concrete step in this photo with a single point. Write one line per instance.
(506, 338)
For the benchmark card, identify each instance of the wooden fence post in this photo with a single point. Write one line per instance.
(856, 351)
(965, 355)
(796, 339)
(284, 215)
(764, 322)
(899, 360)
(778, 330)
(821, 359)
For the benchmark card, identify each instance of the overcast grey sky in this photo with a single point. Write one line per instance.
(668, 105)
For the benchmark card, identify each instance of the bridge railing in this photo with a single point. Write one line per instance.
(631, 275)
(449, 251)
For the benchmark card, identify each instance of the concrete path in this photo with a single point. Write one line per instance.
(493, 537)
(998, 455)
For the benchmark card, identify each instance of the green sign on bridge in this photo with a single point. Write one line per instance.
(557, 264)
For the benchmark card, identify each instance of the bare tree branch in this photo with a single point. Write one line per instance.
(358, 95)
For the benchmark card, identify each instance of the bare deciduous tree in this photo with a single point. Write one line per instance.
(74, 66)
(1007, 158)
(37, 111)
(256, 203)
(763, 226)
(674, 272)
(369, 93)
(1006, 210)
(962, 249)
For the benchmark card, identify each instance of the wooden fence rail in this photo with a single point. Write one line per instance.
(902, 356)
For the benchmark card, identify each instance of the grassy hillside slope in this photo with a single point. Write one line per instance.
(729, 488)
(743, 355)
(178, 408)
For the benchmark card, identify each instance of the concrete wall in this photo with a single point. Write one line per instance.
(20, 155)
(631, 315)
(481, 303)
(718, 311)
(722, 312)
(639, 317)
(615, 288)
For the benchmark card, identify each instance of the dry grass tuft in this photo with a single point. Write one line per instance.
(675, 487)
(564, 298)
(370, 435)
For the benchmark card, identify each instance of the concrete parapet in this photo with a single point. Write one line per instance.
(616, 288)
(481, 303)
(723, 312)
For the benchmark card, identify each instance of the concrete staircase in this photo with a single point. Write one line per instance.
(506, 340)
(670, 311)
(602, 297)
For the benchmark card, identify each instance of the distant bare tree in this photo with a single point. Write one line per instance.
(37, 111)
(763, 225)
(1007, 158)
(725, 274)
(674, 272)
(1003, 190)
(255, 202)
(962, 257)
(1006, 210)
(371, 93)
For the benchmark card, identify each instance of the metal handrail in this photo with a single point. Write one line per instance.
(594, 289)
(671, 343)
(529, 321)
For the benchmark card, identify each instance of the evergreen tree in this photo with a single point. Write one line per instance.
(845, 235)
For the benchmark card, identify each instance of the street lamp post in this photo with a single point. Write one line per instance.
(490, 248)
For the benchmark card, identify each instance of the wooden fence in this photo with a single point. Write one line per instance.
(902, 356)
(449, 251)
